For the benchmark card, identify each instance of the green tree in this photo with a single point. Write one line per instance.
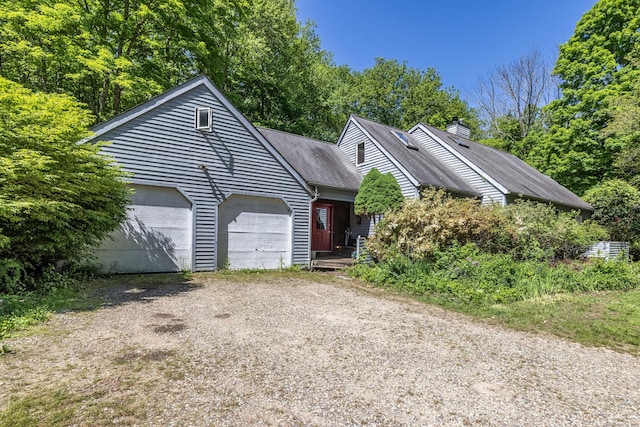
(57, 197)
(625, 126)
(281, 77)
(112, 55)
(594, 69)
(617, 207)
(398, 95)
(378, 194)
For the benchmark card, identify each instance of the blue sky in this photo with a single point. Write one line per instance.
(461, 39)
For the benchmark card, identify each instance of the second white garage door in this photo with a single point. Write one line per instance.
(254, 232)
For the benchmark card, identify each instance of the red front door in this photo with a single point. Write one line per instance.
(321, 228)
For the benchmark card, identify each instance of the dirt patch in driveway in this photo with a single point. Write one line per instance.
(303, 349)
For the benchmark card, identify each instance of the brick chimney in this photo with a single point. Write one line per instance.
(457, 127)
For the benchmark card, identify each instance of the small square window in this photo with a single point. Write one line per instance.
(360, 156)
(203, 118)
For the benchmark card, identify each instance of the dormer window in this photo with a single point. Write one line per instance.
(360, 154)
(203, 118)
(404, 139)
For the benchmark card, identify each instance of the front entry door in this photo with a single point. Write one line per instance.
(321, 230)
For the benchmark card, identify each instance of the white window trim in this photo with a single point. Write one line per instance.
(364, 153)
(197, 123)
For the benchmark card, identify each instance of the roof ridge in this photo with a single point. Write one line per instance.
(294, 134)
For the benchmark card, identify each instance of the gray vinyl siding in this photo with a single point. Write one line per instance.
(162, 146)
(490, 194)
(364, 229)
(373, 158)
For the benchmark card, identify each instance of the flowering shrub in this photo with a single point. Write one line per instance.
(423, 226)
(524, 230)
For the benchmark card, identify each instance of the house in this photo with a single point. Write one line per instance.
(499, 176)
(211, 191)
(335, 181)
(428, 156)
(368, 145)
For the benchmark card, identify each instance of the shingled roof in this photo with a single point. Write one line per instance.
(318, 162)
(418, 161)
(520, 179)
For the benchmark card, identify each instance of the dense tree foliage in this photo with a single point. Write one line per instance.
(108, 54)
(279, 75)
(595, 67)
(378, 194)
(56, 196)
(398, 95)
(617, 207)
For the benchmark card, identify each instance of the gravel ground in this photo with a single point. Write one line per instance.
(292, 351)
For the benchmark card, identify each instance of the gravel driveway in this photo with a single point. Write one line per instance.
(298, 351)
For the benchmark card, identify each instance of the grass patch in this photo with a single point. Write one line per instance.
(269, 276)
(595, 303)
(608, 319)
(21, 311)
(62, 408)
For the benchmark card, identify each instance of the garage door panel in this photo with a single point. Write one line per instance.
(130, 237)
(148, 261)
(256, 223)
(159, 216)
(252, 260)
(154, 238)
(254, 232)
(259, 241)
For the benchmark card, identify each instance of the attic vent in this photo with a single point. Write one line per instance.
(404, 139)
(203, 118)
(461, 142)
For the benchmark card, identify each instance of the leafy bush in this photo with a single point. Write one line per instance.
(57, 197)
(424, 226)
(461, 250)
(526, 230)
(11, 276)
(538, 232)
(617, 208)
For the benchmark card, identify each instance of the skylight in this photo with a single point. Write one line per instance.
(460, 141)
(404, 139)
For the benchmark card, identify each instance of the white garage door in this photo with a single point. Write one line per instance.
(254, 232)
(157, 237)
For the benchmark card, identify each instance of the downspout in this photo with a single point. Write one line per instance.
(316, 195)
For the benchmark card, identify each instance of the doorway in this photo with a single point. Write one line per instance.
(321, 228)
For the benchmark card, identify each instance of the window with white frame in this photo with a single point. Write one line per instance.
(203, 118)
(360, 154)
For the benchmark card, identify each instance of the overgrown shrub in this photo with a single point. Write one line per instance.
(539, 232)
(526, 230)
(424, 226)
(464, 274)
(617, 208)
